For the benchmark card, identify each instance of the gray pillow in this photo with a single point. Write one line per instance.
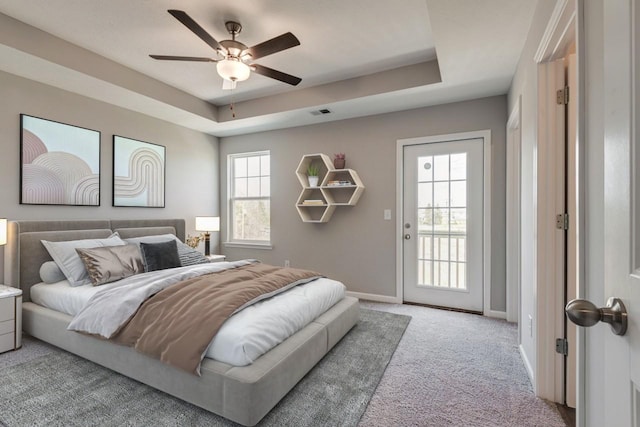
(51, 273)
(160, 256)
(64, 254)
(111, 263)
(187, 255)
(190, 256)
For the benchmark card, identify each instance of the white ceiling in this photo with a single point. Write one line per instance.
(477, 42)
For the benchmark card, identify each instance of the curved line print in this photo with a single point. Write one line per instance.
(87, 191)
(146, 174)
(32, 147)
(41, 186)
(69, 168)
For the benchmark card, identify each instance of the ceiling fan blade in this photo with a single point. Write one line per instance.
(183, 58)
(275, 74)
(188, 22)
(282, 42)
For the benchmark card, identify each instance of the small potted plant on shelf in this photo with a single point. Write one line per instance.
(338, 160)
(312, 173)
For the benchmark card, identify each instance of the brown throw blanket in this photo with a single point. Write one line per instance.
(177, 325)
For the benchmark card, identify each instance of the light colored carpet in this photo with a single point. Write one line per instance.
(450, 369)
(456, 369)
(44, 386)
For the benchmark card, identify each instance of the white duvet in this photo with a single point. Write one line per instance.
(243, 338)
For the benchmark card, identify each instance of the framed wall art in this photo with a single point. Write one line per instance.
(138, 173)
(59, 163)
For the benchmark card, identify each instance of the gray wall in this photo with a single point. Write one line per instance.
(192, 157)
(357, 246)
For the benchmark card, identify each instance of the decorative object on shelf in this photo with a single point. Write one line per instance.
(207, 224)
(194, 241)
(138, 173)
(338, 160)
(3, 231)
(60, 163)
(338, 187)
(312, 173)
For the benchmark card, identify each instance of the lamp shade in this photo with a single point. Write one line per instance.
(233, 70)
(207, 223)
(3, 231)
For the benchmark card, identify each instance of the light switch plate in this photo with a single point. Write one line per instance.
(387, 214)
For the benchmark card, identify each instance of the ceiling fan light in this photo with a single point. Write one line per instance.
(233, 70)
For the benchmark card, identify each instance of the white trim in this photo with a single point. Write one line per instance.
(375, 297)
(550, 242)
(239, 243)
(265, 246)
(513, 225)
(559, 32)
(486, 237)
(399, 218)
(550, 259)
(527, 364)
(497, 314)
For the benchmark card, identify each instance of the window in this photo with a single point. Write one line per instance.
(250, 198)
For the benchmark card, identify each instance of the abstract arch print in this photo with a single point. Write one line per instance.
(60, 163)
(138, 173)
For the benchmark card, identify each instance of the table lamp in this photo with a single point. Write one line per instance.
(207, 224)
(3, 231)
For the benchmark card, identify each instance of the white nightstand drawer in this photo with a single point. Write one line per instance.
(7, 327)
(7, 342)
(7, 308)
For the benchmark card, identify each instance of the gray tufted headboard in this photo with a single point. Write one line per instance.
(24, 254)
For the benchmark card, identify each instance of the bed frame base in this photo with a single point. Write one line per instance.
(242, 394)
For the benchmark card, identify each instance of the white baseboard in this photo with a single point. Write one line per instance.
(375, 297)
(527, 366)
(496, 314)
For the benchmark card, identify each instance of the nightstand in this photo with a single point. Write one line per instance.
(10, 318)
(215, 258)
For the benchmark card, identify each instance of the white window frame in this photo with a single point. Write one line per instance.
(231, 242)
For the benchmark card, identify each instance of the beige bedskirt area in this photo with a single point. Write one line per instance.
(242, 394)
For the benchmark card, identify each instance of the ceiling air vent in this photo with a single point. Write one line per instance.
(321, 112)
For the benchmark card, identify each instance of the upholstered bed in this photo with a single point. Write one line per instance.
(243, 394)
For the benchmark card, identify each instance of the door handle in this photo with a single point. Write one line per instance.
(585, 313)
(407, 236)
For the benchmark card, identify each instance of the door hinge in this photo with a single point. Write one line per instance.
(562, 221)
(562, 96)
(562, 346)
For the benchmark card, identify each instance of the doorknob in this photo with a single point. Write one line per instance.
(585, 313)
(407, 236)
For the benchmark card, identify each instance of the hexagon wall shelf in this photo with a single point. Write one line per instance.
(337, 187)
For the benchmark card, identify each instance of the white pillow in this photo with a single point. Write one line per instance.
(51, 273)
(66, 257)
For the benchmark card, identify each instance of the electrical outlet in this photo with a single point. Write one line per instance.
(387, 214)
(287, 263)
(530, 326)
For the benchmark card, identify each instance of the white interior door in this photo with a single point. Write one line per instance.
(620, 401)
(443, 224)
(622, 266)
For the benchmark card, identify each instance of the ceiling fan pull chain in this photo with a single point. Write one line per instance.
(233, 113)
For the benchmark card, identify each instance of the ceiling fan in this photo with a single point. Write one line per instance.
(235, 59)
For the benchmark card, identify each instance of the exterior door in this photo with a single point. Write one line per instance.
(619, 402)
(443, 223)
